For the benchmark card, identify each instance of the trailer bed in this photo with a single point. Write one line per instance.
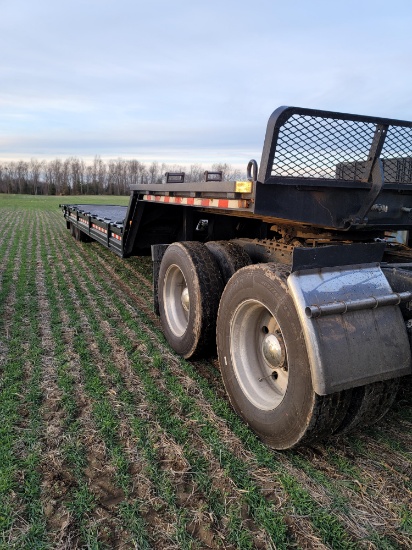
(103, 223)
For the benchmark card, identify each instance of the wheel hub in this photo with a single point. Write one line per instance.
(273, 350)
(185, 299)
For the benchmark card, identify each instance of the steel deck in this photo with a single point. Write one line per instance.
(108, 213)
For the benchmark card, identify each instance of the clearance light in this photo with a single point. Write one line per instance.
(243, 187)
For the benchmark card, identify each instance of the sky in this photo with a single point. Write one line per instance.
(189, 81)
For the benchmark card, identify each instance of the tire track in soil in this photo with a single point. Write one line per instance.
(188, 492)
(227, 435)
(357, 501)
(159, 526)
(97, 472)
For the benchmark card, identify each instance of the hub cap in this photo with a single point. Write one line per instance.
(273, 350)
(185, 299)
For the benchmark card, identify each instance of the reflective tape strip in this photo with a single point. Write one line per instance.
(207, 203)
(115, 236)
(80, 220)
(99, 228)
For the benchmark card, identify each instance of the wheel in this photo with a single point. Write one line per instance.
(78, 234)
(75, 232)
(368, 404)
(189, 289)
(83, 237)
(264, 362)
(229, 256)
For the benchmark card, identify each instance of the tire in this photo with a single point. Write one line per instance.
(229, 256)
(265, 365)
(189, 290)
(368, 405)
(75, 232)
(83, 237)
(78, 235)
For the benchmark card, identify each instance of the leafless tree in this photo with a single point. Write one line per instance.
(195, 173)
(154, 173)
(34, 174)
(75, 176)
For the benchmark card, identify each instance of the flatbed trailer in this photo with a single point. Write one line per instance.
(293, 274)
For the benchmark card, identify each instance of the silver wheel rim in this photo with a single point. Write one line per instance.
(176, 300)
(259, 355)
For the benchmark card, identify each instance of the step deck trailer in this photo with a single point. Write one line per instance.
(294, 274)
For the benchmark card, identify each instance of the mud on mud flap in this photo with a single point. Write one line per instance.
(353, 328)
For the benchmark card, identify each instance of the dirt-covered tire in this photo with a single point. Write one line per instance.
(73, 231)
(264, 362)
(189, 289)
(83, 237)
(79, 235)
(368, 404)
(229, 256)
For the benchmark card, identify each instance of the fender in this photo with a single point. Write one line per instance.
(353, 327)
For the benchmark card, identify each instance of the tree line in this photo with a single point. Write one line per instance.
(74, 176)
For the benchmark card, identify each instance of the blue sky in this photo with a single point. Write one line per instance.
(188, 81)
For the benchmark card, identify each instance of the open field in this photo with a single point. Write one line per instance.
(110, 440)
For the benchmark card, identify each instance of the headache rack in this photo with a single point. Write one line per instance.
(336, 170)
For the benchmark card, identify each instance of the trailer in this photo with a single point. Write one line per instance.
(294, 275)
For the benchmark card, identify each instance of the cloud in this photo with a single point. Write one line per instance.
(188, 79)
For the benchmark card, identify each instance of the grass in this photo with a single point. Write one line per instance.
(21, 399)
(173, 427)
(109, 440)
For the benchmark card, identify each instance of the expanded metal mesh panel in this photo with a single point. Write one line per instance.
(328, 148)
(397, 155)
